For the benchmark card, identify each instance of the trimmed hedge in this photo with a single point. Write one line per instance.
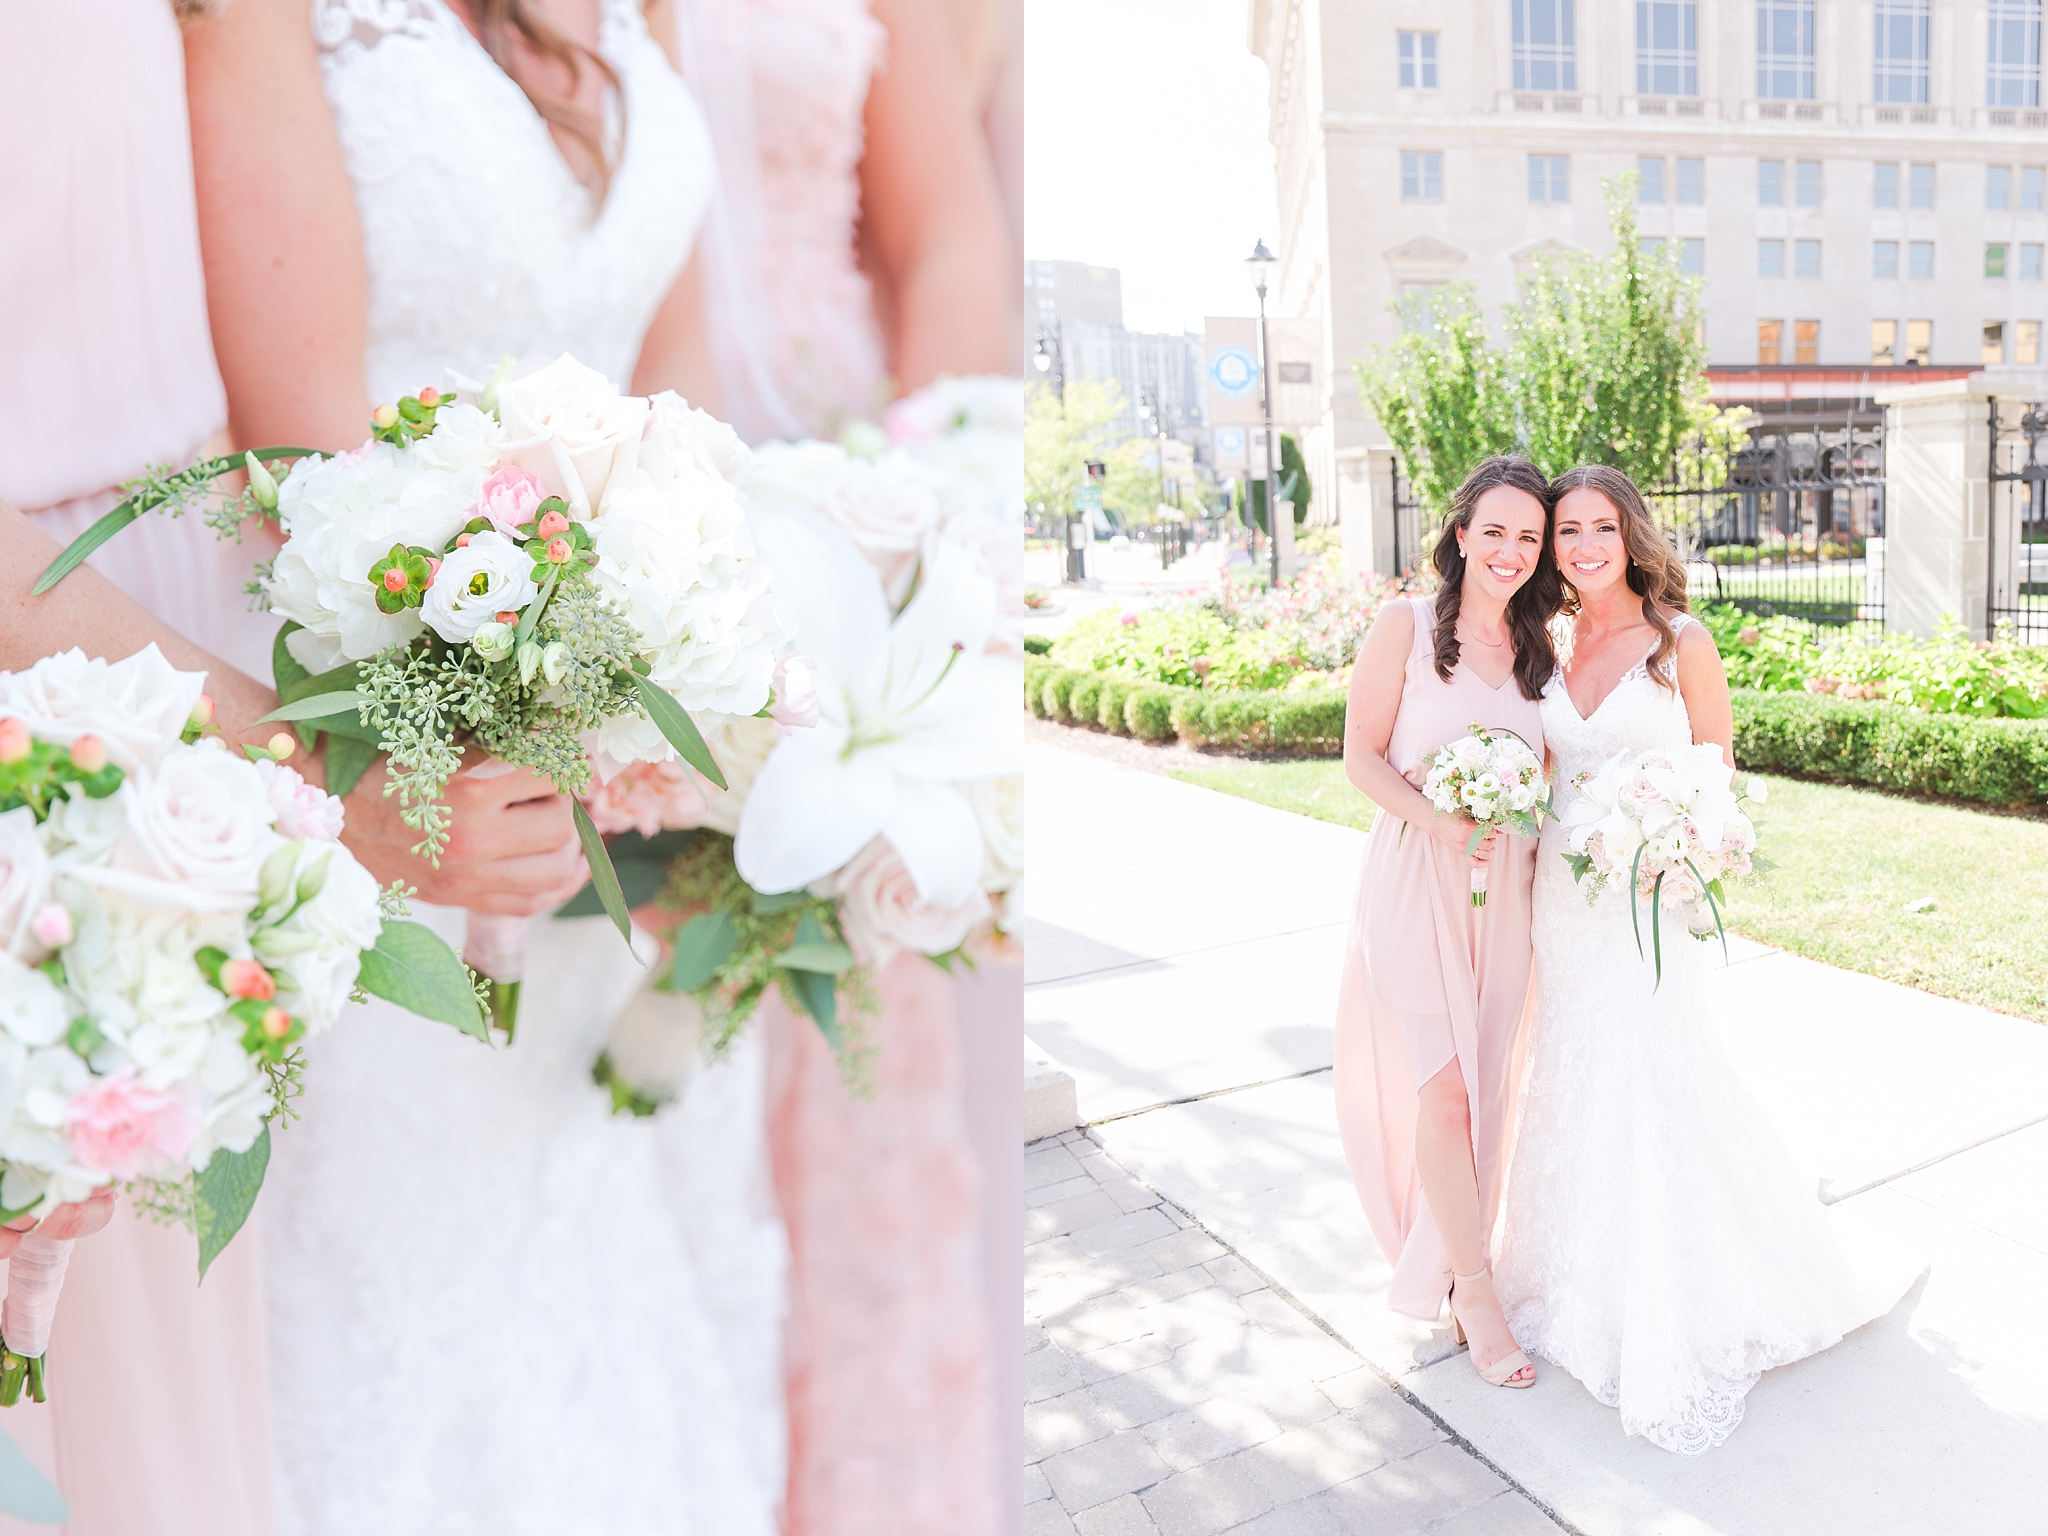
(1109, 702)
(1999, 762)
(1310, 723)
(1148, 711)
(1037, 645)
(1084, 699)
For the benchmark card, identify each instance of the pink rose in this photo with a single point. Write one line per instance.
(796, 694)
(885, 913)
(509, 498)
(1640, 794)
(646, 798)
(303, 810)
(122, 1127)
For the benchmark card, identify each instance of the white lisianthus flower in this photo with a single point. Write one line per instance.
(570, 425)
(319, 946)
(494, 641)
(485, 577)
(136, 706)
(197, 833)
(24, 883)
(464, 440)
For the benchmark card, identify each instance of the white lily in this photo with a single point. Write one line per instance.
(906, 710)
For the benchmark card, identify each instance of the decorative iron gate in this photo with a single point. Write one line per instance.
(1793, 523)
(2016, 590)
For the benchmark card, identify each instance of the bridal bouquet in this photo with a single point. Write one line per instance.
(541, 567)
(1495, 778)
(1669, 825)
(174, 920)
(876, 806)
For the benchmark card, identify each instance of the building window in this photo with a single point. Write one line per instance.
(1650, 180)
(1920, 258)
(1784, 50)
(1549, 179)
(1546, 52)
(1994, 261)
(1770, 258)
(1993, 350)
(1884, 259)
(1884, 341)
(2031, 177)
(1901, 51)
(1997, 188)
(1667, 48)
(1920, 187)
(1422, 176)
(2013, 74)
(2026, 342)
(1919, 340)
(1806, 258)
(2030, 263)
(1769, 336)
(1806, 183)
(1770, 183)
(1418, 60)
(1884, 186)
(1692, 183)
(1805, 341)
(1692, 257)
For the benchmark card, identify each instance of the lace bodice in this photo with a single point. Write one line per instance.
(480, 240)
(1639, 714)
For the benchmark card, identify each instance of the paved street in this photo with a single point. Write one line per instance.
(1210, 1351)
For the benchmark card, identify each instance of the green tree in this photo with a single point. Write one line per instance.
(1061, 435)
(1604, 362)
(1292, 484)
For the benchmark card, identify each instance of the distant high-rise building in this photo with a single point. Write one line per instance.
(1080, 308)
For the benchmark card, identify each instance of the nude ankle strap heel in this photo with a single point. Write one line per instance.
(1502, 1372)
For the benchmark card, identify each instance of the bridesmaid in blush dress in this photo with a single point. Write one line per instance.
(1429, 1020)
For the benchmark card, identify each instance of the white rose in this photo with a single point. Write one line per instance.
(24, 882)
(697, 436)
(999, 808)
(198, 831)
(33, 1009)
(883, 911)
(464, 439)
(570, 425)
(487, 576)
(317, 950)
(137, 706)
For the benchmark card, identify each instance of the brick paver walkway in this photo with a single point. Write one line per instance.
(1171, 1389)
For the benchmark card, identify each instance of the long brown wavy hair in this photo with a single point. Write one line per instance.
(1655, 573)
(1534, 602)
(499, 23)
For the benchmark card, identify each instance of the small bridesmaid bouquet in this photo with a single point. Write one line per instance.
(1495, 778)
(1669, 824)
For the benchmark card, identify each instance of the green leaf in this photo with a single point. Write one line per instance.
(76, 552)
(223, 1194)
(602, 876)
(704, 944)
(679, 728)
(1634, 900)
(313, 706)
(641, 864)
(285, 669)
(766, 904)
(828, 958)
(348, 759)
(413, 968)
(1656, 938)
(820, 994)
(24, 1492)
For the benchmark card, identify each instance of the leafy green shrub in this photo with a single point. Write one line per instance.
(1053, 691)
(1109, 702)
(1083, 699)
(1185, 646)
(1036, 670)
(1835, 546)
(1999, 762)
(1037, 645)
(1148, 711)
(1262, 722)
(1773, 653)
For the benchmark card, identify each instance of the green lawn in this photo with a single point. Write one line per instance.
(1848, 863)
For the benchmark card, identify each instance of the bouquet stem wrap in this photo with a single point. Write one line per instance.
(496, 950)
(35, 1274)
(1479, 884)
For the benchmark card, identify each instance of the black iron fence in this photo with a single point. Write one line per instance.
(2016, 590)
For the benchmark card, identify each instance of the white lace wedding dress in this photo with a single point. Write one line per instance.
(495, 1307)
(1659, 1242)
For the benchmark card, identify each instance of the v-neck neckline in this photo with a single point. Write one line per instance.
(1619, 683)
(1481, 676)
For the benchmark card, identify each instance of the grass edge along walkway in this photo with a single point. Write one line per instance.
(1849, 862)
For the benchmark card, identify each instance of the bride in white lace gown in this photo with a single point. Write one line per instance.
(1660, 1242)
(495, 1307)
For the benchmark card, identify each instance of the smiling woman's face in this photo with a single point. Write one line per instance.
(1503, 543)
(1590, 549)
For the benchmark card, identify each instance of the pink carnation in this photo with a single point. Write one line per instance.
(302, 809)
(509, 498)
(122, 1127)
(648, 798)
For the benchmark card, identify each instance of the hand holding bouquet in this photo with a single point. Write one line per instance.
(1493, 778)
(1669, 824)
(174, 919)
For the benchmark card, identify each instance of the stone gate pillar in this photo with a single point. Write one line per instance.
(1937, 460)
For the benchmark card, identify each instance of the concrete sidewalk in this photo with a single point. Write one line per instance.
(1184, 950)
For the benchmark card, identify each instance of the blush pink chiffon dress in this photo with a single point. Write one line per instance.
(158, 1422)
(1428, 979)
